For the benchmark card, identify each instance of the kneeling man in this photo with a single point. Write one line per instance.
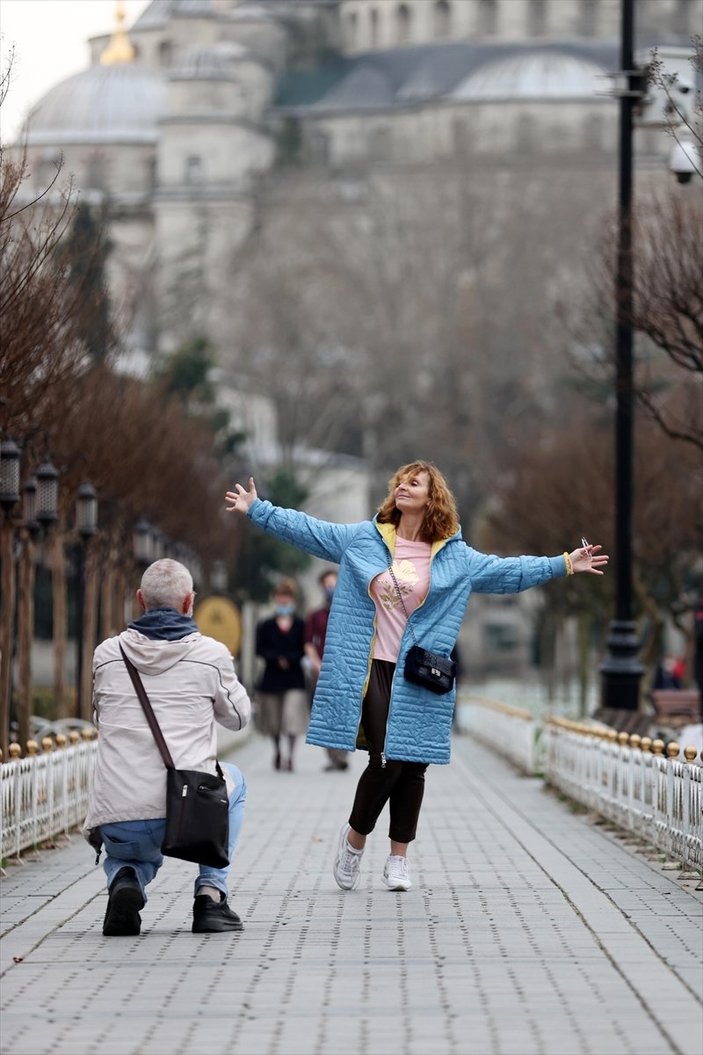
(191, 684)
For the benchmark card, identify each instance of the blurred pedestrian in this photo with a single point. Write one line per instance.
(282, 701)
(405, 575)
(315, 632)
(667, 674)
(191, 684)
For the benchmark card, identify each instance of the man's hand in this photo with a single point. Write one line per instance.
(240, 500)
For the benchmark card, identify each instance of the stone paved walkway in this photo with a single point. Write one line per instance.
(529, 929)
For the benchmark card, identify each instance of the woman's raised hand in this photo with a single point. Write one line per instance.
(588, 558)
(239, 500)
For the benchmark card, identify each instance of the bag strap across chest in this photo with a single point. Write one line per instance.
(148, 711)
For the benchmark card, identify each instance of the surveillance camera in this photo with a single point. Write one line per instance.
(683, 161)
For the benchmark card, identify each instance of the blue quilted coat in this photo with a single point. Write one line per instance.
(419, 722)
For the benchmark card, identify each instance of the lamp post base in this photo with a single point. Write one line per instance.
(621, 670)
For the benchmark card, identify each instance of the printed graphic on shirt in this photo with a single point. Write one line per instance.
(407, 575)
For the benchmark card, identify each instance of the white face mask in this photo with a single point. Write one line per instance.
(285, 609)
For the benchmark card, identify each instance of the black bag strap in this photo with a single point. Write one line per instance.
(400, 597)
(148, 711)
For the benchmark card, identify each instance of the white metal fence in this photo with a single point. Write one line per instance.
(44, 795)
(510, 730)
(627, 779)
(630, 781)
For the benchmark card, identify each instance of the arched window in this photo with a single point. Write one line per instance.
(487, 18)
(442, 19)
(373, 22)
(319, 147)
(95, 172)
(461, 135)
(352, 27)
(593, 132)
(165, 53)
(525, 134)
(380, 145)
(193, 169)
(537, 18)
(151, 174)
(403, 19)
(588, 26)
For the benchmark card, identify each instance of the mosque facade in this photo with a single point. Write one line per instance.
(178, 121)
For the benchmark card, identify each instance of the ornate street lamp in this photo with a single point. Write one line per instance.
(142, 543)
(47, 494)
(29, 508)
(9, 497)
(218, 577)
(86, 511)
(157, 543)
(86, 521)
(9, 475)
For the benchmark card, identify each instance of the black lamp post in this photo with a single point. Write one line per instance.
(218, 577)
(9, 497)
(158, 544)
(9, 475)
(29, 508)
(621, 670)
(141, 543)
(86, 526)
(47, 506)
(31, 531)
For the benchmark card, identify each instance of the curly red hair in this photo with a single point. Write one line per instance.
(441, 517)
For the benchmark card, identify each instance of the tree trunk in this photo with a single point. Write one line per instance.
(108, 597)
(59, 603)
(121, 591)
(90, 630)
(25, 636)
(6, 626)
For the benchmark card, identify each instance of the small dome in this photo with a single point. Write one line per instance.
(547, 74)
(104, 104)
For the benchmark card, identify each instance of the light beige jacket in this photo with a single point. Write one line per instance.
(191, 684)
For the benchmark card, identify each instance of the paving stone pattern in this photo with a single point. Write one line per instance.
(529, 929)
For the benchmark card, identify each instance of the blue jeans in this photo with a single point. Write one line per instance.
(138, 843)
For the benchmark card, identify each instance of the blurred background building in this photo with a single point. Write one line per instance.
(176, 121)
(435, 168)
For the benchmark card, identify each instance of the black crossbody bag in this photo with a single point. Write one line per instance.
(197, 804)
(431, 670)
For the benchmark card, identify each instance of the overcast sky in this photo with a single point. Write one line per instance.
(50, 42)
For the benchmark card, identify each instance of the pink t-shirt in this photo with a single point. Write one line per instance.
(411, 565)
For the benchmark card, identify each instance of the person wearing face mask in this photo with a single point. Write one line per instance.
(315, 631)
(282, 701)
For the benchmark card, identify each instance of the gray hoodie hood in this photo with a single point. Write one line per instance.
(155, 656)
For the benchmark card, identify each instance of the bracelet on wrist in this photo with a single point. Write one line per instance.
(569, 565)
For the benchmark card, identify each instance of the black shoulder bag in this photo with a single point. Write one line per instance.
(429, 669)
(197, 805)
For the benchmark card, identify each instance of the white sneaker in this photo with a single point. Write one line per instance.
(347, 862)
(395, 874)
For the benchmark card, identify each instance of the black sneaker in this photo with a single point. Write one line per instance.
(125, 899)
(212, 917)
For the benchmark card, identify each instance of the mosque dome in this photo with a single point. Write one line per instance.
(118, 103)
(540, 74)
